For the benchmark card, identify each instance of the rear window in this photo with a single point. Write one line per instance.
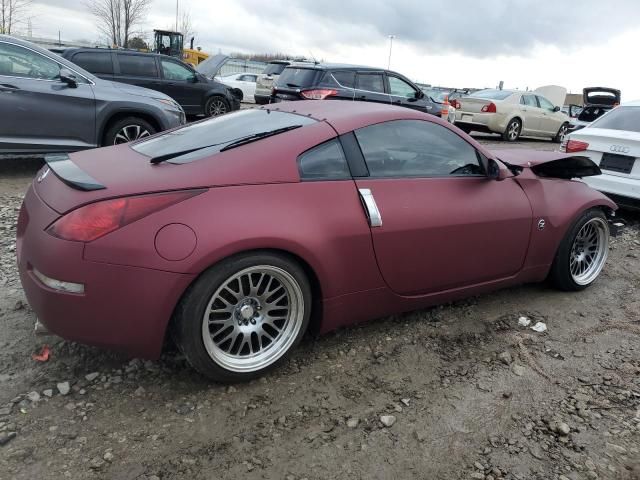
(274, 68)
(137, 65)
(492, 94)
(620, 118)
(210, 136)
(297, 77)
(94, 62)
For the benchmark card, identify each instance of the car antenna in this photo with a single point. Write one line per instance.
(314, 58)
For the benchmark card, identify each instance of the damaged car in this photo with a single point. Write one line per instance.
(237, 234)
(596, 102)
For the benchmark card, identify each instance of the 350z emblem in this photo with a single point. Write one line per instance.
(541, 224)
(43, 175)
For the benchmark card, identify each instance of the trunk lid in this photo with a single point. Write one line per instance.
(554, 93)
(294, 79)
(601, 96)
(616, 151)
(473, 105)
(550, 164)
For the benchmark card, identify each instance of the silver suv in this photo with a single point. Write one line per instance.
(266, 80)
(48, 104)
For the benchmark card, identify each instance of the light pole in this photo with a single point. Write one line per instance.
(176, 15)
(391, 37)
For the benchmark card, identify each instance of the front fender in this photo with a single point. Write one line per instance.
(556, 204)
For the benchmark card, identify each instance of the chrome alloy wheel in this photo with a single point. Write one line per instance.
(253, 318)
(513, 131)
(129, 133)
(589, 251)
(562, 133)
(217, 107)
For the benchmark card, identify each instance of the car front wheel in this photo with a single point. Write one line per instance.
(243, 316)
(216, 106)
(512, 132)
(127, 130)
(582, 253)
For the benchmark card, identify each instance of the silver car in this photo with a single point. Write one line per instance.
(48, 104)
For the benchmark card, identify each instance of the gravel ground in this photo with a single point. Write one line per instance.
(461, 391)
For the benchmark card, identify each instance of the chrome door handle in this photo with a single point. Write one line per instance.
(370, 206)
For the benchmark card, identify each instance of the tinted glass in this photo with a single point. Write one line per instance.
(372, 82)
(620, 118)
(20, 62)
(297, 77)
(544, 103)
(274, 68)
(529, 100)
(137, 65)
(217, 132)
(492, 94)
(324, 162)
(175, 71)
(400, 88)
(415, 148)
(247, 78)
(345, 78)
(95, 62)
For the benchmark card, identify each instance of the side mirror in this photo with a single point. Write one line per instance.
(556, 109)
(419, 94)
(193, 79)
(497, 171)
(66, 76)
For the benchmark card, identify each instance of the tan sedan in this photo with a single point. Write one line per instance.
(512, 113)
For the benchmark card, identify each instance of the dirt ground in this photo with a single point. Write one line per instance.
(461, 391)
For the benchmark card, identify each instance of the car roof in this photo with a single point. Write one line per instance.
(339, 66)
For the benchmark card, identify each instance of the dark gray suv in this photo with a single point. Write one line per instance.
(48, 104)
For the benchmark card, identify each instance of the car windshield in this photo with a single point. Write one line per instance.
(297, 77)
(208, 137)
(274, 68)
(620, 118)
(491, 94)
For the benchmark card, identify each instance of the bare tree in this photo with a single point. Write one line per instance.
(186, 26)
(12, 13)
(117, 18)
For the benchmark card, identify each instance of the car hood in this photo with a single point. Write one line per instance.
(601, 96)
(549, 164)
(554, 93)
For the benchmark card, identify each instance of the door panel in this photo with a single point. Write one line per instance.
(137, 69)
(177, 82)
(443, 233)
(550, 121)
(531, 115)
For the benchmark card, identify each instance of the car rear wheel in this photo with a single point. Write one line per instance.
(561, 133)
(512, 132)
(582, 253)
(243, 316)
(127, 130)
(216, 106)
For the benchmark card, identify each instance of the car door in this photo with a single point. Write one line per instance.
(404, 94)
(247, 85)
(138, 69)
(39, 112)
(180, 83)
(443, 223)
(531, 114)
(370, 88)
(551, 120)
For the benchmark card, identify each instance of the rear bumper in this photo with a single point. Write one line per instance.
(262, 99)
(626, 190)
(483, 122)
(123, 307)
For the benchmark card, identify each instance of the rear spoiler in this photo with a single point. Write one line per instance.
(71, 174)
(577, 166)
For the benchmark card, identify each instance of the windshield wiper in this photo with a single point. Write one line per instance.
(257, 136)
(229, 144)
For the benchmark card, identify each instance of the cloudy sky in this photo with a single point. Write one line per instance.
(526, 43)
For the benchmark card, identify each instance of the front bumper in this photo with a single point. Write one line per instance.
(124, 308)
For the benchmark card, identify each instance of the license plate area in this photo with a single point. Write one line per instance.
(617, 163)
(467, 118)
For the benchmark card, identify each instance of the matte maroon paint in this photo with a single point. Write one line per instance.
(441, 239)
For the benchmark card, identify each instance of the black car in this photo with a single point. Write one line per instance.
(197, 94)
(350, 82)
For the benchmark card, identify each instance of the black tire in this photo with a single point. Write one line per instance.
(560, 274)
(216, 106)
(561, 133)
(514, 125)
(187, 322)
(464, 128)
(114, 135)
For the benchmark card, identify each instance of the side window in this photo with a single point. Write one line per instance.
(371, 82)
(529, 100)
(400, 88)
(345, 78)
(16, 61)
(137, 65)
(416, 148)
(94, 62)
(175, 71)
(544, 103)
(324, 162)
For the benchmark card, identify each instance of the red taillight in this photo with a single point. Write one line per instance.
(318, 94)
(489, 108)
(97, 219)
(456, 104)
(573, 146)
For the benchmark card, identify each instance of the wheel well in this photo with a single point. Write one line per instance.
(120, 115)
(516, 118)
(314, 283)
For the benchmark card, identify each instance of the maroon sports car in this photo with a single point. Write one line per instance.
(236, 234)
